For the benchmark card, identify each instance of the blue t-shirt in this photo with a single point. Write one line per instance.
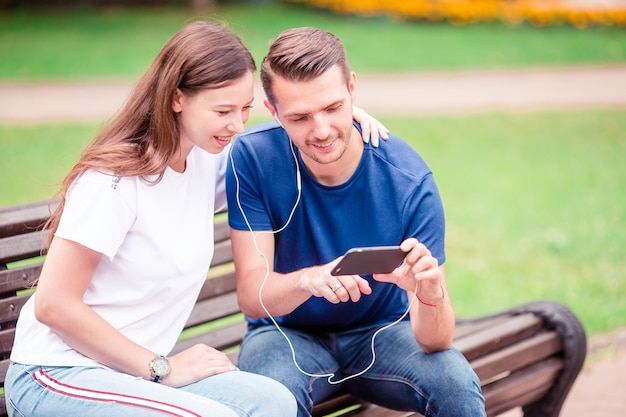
(390, 197)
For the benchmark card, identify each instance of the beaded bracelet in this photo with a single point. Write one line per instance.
(429, 304)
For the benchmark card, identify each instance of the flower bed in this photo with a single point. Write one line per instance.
(579, 13)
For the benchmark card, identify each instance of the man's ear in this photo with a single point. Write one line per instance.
(272, 110)
(177, 103)
(352, 86)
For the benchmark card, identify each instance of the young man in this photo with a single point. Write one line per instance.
(300, 194)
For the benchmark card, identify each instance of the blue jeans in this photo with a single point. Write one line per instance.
(403, 376)
(36, 391)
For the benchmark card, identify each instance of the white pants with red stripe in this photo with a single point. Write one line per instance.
(35, 391)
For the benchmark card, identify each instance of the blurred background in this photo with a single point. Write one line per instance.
(535, 195)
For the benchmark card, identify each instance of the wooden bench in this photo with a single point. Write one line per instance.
(525, 357)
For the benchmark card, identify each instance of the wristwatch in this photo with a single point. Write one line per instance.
(159, 368)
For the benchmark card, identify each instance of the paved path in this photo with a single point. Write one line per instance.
(598, 392)
(424, 93)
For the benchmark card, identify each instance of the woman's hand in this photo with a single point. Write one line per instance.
(370, 126)
(196, 363)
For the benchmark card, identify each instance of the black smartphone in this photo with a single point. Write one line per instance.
(369, 260)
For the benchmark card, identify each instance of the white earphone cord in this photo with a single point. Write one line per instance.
(262, 255)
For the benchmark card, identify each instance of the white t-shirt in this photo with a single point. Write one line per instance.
(157, 242)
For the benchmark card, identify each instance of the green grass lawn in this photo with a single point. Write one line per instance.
(122, 42)
(535, 208)
(535, 202)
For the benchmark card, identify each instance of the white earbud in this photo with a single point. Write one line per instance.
(278, 121)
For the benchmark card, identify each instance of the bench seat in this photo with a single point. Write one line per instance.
(527, 356)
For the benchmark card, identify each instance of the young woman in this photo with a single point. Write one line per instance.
(130, 246)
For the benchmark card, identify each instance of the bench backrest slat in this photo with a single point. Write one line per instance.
(10, 308)
(24, 246)
(6, 342)
(212, 309)
(221, 231)
(23, 218)
(16, 279)
(218, 285)
(466, 327)
(223, 338)
(521, 387)
(517, 356)
(222, 253)
(498, 335)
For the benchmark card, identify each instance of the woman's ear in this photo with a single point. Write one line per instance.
(177, 103)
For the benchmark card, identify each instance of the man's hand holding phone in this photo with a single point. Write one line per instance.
(420, 270)
(346, 282)
(404, 265)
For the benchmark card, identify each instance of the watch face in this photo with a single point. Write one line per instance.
(160, 366)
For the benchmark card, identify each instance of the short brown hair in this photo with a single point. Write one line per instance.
(300, 54)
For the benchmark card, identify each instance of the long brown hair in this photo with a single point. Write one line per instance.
(144, 136)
